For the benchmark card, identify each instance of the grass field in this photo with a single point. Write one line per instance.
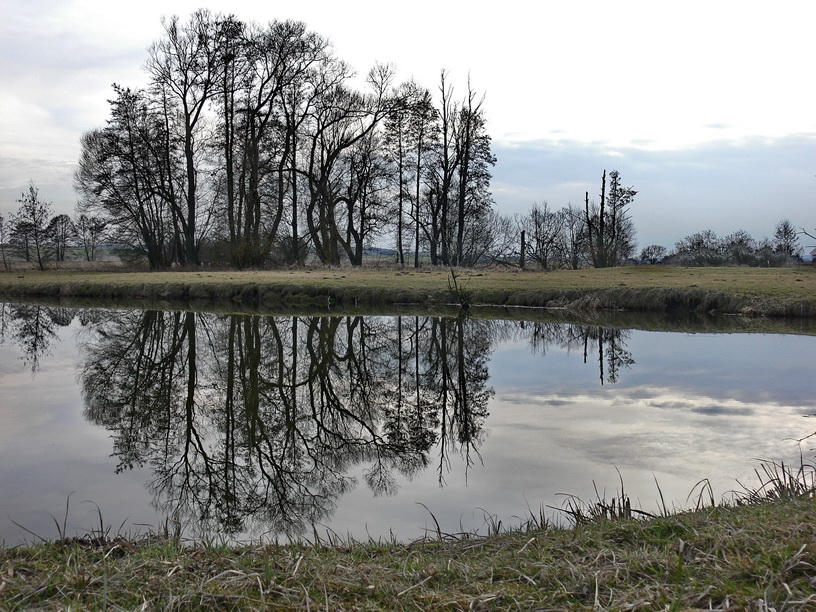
(757, 291)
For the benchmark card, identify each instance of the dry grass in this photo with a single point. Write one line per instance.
(755, 291)
(757, 553)
(758, 556)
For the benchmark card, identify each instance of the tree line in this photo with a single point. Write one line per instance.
(38, 236)
(251, 146)
(739, 248)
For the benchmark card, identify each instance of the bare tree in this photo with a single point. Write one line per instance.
(473, 198)
(342, 120)
(701, 249)
(3, 238)
(61, 232)
(786, 240)
(653, 253)
(442, 176)
(185, 64)
(495, 240)
(31, 226)
(459, 198)
(611, 231)
(575, 237)
(544, 230)
(264, 68)
(90, 231)
(397, 147)
(128, 173)
(739, 248)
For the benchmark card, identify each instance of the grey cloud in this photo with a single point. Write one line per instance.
(559, 402)
(672, 405)
(721, 410)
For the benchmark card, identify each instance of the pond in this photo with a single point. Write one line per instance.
(247, 426)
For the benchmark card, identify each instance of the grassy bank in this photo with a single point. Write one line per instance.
(784, 292)
(758, 556)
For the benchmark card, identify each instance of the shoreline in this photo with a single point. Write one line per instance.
(754, 292)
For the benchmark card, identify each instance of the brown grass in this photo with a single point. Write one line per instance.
(789, 292)
(756, 556)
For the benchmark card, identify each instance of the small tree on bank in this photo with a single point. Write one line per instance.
(31, 227)
(61, 233)
(3, 238)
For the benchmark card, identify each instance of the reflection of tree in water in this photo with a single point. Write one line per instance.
(247, 418)
(33, 328)
(609, 343)
(456, 378)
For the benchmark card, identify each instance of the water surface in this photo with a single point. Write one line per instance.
(262, 426)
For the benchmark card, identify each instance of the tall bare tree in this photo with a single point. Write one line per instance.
(610, 229)
(269, 62)
(473, 199)
(128, 176)
(342, 119)
(185, 64)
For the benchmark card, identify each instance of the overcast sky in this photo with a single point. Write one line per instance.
(707, 108)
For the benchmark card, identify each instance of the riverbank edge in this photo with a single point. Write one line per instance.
(732, 557)
(280, 294)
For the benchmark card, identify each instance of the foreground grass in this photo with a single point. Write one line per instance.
(753, 291)
(758, 556)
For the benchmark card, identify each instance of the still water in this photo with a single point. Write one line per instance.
(250, 426)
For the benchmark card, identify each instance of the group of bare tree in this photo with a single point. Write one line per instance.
(704, 248)
(600, 235)
(36, 236)
(251, 146)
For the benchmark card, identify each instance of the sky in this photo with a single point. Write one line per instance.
(705, 108)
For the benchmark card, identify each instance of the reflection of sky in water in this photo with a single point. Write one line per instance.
(48, 451)
(692, 406)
